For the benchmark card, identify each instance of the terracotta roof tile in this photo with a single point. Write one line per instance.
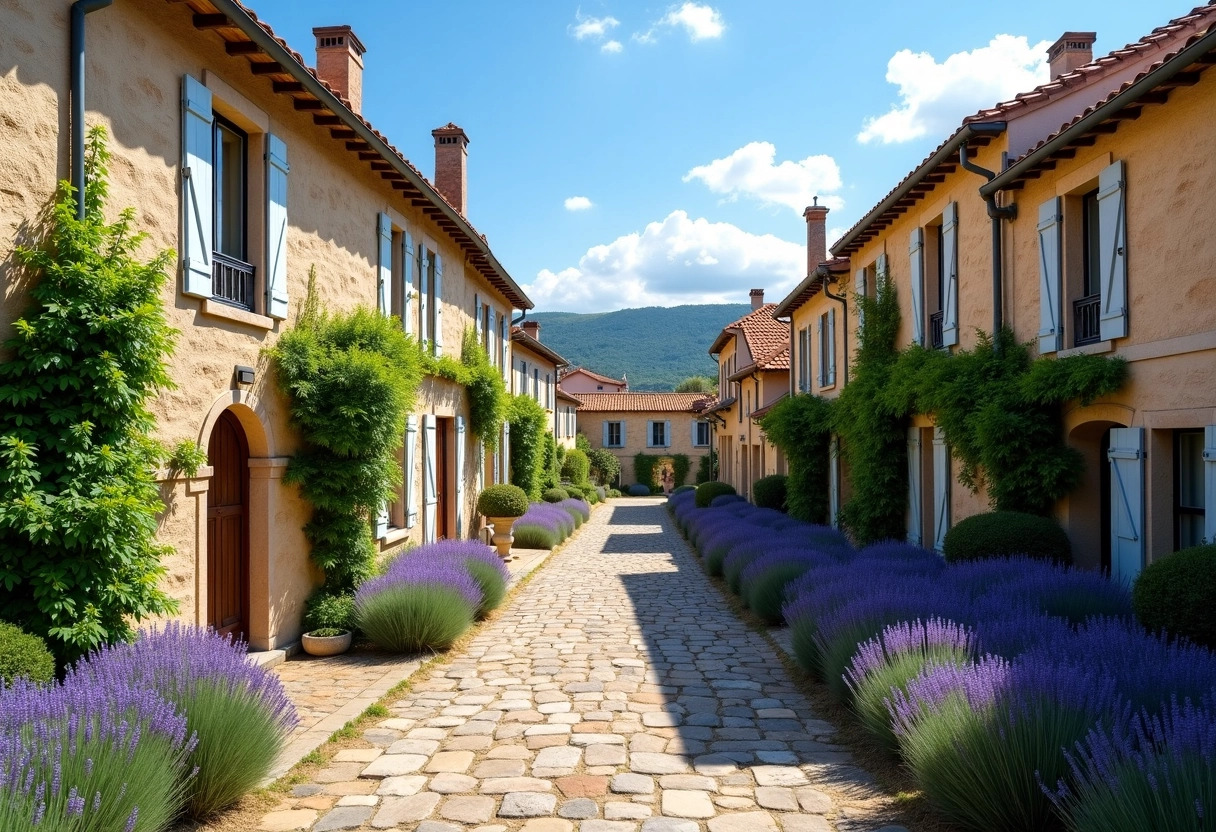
(594, 375)
(644, 402)
(761, 332)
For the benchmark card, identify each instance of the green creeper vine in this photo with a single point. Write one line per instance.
(680, 465)
(79, 561)
(646, 469)
(528, 420)
(801, 426)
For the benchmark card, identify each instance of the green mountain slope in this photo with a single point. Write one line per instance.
(657, 347)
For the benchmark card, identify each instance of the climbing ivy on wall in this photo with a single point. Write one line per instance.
(801, 426)
(528, 420)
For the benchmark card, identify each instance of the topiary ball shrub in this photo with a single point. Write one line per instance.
(23, 656)
(639, 490)
(1177, 594)
(502, 501)
(769, 492)
(998, 534)
(706, 492)
(726, 500)
(684, 489)
(555, 495)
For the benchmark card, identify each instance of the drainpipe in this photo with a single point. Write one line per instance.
(997, 213)
(844, 319)
(76, 91)
(520, 319)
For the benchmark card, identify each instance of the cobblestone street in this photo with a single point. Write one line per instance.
(616, 693)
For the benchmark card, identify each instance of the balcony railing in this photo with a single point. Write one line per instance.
(935, 331)
(1087, 321)
(231, 281)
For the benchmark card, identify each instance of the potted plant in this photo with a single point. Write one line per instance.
(502, 505)
(329, 623)
(326, 641)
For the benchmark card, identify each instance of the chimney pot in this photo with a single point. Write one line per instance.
(816, 235)
(451, 161)
(532, 329)
(1072, 50)
(340, 62)
(757, 296)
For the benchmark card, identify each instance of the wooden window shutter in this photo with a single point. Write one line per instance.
(1126, 457)
(430, 481)
(198, 192)
(915, 509)
(834, 482)
(460, 476)
(424, 300)
(438, 300)
(941, 489)
(407, 283)
(276, 227)
(505, 452)
(384, 263)
(859, 290)
(916, 270)
(831, 347)
(667, 433)
(881, 272)
(1112, 243)
(410, 456)
(821, 376)
(380, 523)
(477, 316)
(950, 263)
(1051, 226)
(1209, 483)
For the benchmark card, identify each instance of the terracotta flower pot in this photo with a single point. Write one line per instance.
(325, 645)
(502, 535)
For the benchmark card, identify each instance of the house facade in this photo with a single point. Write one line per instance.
(534, 373)
(258, 170)
(566, 419)
(581, 380)
(657, 424)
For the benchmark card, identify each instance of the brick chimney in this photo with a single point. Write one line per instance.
(340, 62)
(1072, 50)
(451, 157)
(816, 235)
(531, 329)
(757, 296)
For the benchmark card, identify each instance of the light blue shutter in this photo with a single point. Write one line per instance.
(604, 442)
(430, 481)
(950, 283)
(411, 481)
(460, 475)
(667, 434)
(492, 348)
(407, 283)
(803, 348)
(438, 335)
(694, 432)
(276, 227)
(1112, 243)
(477, 327)
(504, 344)
(505, 453)
(384, 263)
(623, 439)
(834, 482)
(1209, 483)
(821, 376)
(941, 489)
(198, 199)
(916, 270)
(1126, 457)
(915, 506)
(424, 301)
(881, 272)
(859, 290)
(380, 523)
(1051, 225)
(650, 434)
(831, 347)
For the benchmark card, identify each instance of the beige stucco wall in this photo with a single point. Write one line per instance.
(579, 382)
(333, 200)
(590, 423)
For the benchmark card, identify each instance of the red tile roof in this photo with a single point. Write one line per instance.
(562, 394)
(591, 374)
(761, 332)
(519, 336)
(644, 402)
(760, 412)
(778, 360)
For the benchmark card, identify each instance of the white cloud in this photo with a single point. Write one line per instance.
(934, 98)
(578, 203)
(675, 260)
(592, 27)
(612, 46)
(750, 171)
(700, 22)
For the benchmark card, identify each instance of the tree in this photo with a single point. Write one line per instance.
(697, 384)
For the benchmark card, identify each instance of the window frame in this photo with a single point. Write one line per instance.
(656, 427)
(1179, 510)
(699, 425)
(218, 123)
(619, 426)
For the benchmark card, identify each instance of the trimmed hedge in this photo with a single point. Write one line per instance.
(503, 501)
(1178, 594)
(769, 492)
(706, 492)
(576, 467)
(639, 490)
(555, 495)
(998, 534)
(23, 656)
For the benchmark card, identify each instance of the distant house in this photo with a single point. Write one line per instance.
(535, 372)
(566, 418)
(582, 380)
(659, 424)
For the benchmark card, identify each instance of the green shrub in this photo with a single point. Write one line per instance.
(680, 465)
(646, 469)
(485, 391)
(23, 655)
(997, 534)
(683, 488)
(614, 492)
(551, 470)
(769, 492)
(577, 467)
(766, 591)
(492, 583)
(1178, 594)
(408, 618)
(533, 536)
(555, 495)
(706, 492)
(327, 611)
(706, 466)
(528, 420)
(639, 490)
(502, 500)
(605, 467)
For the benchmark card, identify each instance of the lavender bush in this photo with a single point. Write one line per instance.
(482, 563)
(578, 509)
(763, 582)
(239, 713)
(90, 758)
(421, 603)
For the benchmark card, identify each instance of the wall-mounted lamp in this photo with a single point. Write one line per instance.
(244, 375)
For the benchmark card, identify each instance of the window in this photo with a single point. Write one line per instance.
(935, 284)
(549, 393)
(614, 436)
(826, 336)
(232, 275)
(658, 434)
(1087, 325)
(1189, 515)
(429, 282)
(536, 384)
(701, 434)
(599, 387)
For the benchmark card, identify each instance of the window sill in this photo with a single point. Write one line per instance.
(831, 386)
(394, 536)
(1096, 348)
(215, 309)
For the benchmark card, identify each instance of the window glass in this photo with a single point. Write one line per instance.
(614, 434)
(1091, 254)
(1189, 503)
(702, 433)
(658, 435)
(229, 173)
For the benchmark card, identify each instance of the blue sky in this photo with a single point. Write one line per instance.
(693, 132)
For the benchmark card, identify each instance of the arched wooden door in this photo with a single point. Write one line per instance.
(228, 528)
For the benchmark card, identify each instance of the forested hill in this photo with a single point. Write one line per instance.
(657, 347)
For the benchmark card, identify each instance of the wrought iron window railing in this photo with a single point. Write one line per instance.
(231, 281)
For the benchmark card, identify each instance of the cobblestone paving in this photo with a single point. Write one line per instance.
(617, 693)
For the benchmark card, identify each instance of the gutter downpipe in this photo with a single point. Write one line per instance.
(76, 92)
(844, 315)
(997, 213)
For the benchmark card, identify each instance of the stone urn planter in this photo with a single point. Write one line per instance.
(327, 642)
(502, 505)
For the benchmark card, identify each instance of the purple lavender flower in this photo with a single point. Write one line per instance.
(442, 573)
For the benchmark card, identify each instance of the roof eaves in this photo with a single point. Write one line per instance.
(523, 338)
(258, 33)
(810, 286)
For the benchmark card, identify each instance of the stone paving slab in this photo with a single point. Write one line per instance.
(616, 693)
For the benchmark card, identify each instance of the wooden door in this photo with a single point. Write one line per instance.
(443, 477)
(228, 528)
